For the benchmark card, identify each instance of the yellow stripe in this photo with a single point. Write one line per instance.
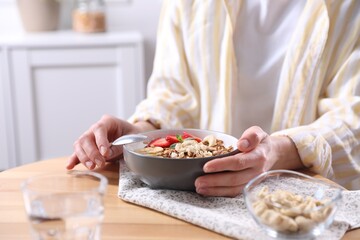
(182, 74)
(344, 160)
(204, 44)
(191, 41)
(354, 79)
(164, 12)
(227, 66)
(344, 46)
(284, 111)
(340, 162)
(226, 82)
(312, 158)
(346, 174)
(334, 12)
(216, 36)
(338, 148)
(348, 186)
(159, 61)
(218, 8)
(303, 77)
(168, 70)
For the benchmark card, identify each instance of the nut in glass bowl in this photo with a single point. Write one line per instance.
(291, 205)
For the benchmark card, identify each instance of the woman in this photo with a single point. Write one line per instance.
(284, 78)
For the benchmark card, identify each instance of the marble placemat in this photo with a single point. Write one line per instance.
(227, 216)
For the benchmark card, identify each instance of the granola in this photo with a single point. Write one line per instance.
(186, 146)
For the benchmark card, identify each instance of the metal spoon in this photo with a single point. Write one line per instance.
(130, 138)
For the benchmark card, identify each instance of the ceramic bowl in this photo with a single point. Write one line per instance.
(171, 173)
(291, 205)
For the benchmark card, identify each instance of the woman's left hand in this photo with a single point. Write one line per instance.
(258, 153)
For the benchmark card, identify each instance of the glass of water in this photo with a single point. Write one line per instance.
(65, 205)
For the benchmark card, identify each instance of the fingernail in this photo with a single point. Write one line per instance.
(200, 184)
(103, 150)
(201, 191)
(208, 169)
(98, 162)
(88, 164)
(244, 144)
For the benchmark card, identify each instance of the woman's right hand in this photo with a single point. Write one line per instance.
(93, 148)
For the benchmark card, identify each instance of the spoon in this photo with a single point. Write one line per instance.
(130, 138)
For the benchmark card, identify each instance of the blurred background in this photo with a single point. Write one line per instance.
(122, 15)
(64, 64)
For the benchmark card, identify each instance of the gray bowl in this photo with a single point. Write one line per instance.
(170, 173)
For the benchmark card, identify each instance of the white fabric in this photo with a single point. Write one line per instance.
(227, 216)
(262, 35)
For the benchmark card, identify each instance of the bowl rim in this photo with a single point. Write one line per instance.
(336, 198)
(235, 151)
(296, 235)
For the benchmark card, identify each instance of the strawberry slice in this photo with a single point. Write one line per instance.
(159, 142)
(188, 135)
(172, 139)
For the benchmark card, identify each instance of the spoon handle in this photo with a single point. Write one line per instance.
(130, 138)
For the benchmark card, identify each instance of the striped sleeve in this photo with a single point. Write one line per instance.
(331, 144)
(171, 99)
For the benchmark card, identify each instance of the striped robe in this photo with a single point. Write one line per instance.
(317, 105)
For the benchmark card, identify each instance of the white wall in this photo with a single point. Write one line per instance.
(9, 18)
(141, 15)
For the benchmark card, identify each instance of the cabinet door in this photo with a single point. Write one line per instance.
(61, 92)
(7, 135)
(4, 158)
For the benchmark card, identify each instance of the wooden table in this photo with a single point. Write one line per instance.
(122, 220)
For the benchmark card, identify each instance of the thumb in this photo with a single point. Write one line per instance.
(251, 138)
(114, 152)
(243, 145)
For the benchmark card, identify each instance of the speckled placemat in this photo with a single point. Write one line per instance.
(227, 216)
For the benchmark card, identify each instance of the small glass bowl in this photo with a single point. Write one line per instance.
(291, 205)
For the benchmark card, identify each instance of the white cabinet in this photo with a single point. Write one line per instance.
(61, 83)
(4, 163)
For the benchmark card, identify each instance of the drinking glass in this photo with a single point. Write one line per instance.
(65, 205)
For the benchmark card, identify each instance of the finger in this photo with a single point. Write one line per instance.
(251, 138)
(237, 162)
(83, 157)
(91, 150)
(226, 179)
(221, 191)
(116, 151)
(72, 162)
(100, 131)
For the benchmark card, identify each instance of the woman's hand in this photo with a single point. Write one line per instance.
(259, 153)
(93, 148)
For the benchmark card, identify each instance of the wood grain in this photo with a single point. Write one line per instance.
(122, 220)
